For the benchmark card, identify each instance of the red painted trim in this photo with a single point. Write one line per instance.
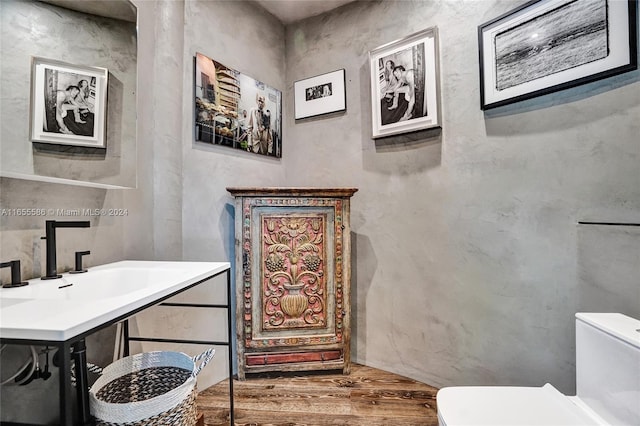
(292, 357)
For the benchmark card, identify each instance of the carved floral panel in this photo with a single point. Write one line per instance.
(292, 272)
(293, 278)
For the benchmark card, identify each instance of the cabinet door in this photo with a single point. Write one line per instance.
(295, 294)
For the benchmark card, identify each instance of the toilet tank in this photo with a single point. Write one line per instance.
(608, 366)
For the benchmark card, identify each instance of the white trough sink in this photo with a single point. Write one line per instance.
(60, 309)
(101, 282)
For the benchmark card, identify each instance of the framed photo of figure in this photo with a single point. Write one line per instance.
(545, 46)
(322, 94)
(405, 84)
(235, 110)
(68, 103)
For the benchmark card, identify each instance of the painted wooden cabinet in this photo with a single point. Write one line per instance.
(293, 278)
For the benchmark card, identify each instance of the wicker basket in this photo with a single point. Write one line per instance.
(151, 388)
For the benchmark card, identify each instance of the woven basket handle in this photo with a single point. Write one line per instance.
(205, 357)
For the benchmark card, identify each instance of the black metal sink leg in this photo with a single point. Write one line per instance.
(82, 386)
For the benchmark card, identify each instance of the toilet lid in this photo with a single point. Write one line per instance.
(502, 406)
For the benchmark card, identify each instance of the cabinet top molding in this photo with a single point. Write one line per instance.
(291, 191)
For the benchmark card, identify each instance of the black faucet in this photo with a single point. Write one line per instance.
(50, 230)
(16, 278)
(79, 269)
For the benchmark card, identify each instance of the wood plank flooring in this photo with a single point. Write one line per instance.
(367, 396)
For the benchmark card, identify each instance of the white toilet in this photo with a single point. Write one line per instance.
(607, 379)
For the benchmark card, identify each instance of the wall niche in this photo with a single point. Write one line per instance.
(80, 33)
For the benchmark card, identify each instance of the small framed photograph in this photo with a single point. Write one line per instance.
(235, 110)
(68, 103)
(405, 84)
(545, 46)
(319, 95)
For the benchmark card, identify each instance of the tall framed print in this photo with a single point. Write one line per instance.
(545, 46)
(68, 103)
(405, 84)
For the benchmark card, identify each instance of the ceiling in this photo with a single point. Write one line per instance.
(288, 11)
(120, 9)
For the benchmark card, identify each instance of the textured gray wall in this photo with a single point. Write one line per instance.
(468, 262)
(251, 42)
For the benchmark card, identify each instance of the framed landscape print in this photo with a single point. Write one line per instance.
(319, 95)
(405, 84)
(235, 110)
(549, 45)
(68, 103)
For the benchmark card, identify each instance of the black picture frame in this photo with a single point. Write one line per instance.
(320, 95)
(545, 46)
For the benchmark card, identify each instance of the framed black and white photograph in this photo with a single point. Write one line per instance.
(319, 95)
(235, 110)
(68, 103)
(549, 45)
(405, 84)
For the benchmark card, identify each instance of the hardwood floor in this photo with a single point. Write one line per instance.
(367, 396)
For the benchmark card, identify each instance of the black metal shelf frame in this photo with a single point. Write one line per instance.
(76, 349)
(609, 223)
(128, 338)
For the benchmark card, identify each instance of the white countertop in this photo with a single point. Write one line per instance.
(54, 310)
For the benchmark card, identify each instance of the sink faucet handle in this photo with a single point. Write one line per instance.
(70, 223)
(79, 255)
(16, 277)
(50, 232)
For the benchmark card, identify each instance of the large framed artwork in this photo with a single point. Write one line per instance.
(319, 95)
(68, 103)
(235, 110)
(405, 84)
(548, 45)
